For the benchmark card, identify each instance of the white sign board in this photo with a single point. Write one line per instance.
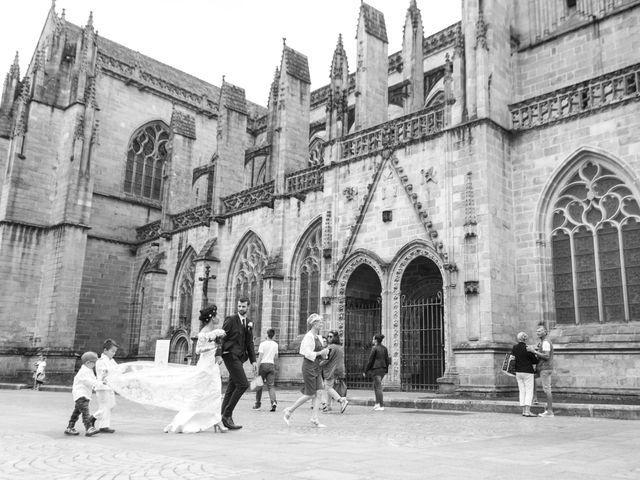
(162, 352)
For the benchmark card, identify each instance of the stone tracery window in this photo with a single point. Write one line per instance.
(596, 248)
(146, 158)
(247, 279)
(309, 277)
(185, 292)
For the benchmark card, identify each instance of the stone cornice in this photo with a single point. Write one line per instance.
(134, 76)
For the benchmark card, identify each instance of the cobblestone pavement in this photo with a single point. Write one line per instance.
(361, 444)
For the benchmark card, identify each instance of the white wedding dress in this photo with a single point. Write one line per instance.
(194, 391)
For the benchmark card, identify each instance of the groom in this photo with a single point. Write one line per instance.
(236, 349)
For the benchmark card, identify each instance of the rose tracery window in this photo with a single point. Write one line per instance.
(596, 248)
(309, 278)
(146, 158)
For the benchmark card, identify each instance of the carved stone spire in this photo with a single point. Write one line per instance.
(273, 91)
(336, 125)
(14, 71)
(339, 64)
(413, 58)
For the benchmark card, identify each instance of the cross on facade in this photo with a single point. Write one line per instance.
(205, 284)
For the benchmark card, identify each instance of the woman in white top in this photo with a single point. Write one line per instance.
(312, 351)
(194, 391)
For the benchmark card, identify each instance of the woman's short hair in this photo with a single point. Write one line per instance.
(522, 336)
(207, 313)
(379, 338)
(313, 319)
(335, 337)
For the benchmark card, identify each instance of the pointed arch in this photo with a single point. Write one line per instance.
(247, 268)
(137, 308)
(183, 285)
(145, 160)
(405, 256)
(588, 222)
(348, 265)
(306, 274)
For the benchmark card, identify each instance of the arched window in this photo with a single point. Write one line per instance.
(249, 268)
(186, 279)
(596, 248)
(308, 276)
(146, 157)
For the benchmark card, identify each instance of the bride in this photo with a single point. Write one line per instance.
(195, 392)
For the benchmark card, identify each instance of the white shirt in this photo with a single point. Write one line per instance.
(269, 350)
(83, 383)
(308, 345)
(40, 366)
(105, 366)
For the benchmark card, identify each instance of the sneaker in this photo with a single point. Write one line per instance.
(546, 414)
(107, 430)
(344, 402)
(326, 409)
(91, 431)
(71, 431)
(257, 406)
(287, 417)
(378, 408)
(273, 407)
(316, 423)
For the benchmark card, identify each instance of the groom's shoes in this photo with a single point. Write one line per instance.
(228, 422)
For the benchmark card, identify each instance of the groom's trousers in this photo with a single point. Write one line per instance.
(238, 384)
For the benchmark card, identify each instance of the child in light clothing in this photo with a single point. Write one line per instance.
(39, 375)
(84, 383)
(105, 395)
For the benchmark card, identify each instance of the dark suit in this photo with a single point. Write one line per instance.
(236, 349)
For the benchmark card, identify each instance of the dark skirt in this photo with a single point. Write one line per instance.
(311, 376)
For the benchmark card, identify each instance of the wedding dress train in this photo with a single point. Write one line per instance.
(194, 391)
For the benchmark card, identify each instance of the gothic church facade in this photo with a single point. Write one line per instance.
(472, 185)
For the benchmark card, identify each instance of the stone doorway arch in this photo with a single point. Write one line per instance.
(418, 281)
(360, 307)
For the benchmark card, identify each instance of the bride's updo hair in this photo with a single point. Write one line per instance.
(206, 314)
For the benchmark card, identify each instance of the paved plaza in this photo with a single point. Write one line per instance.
(399, 443)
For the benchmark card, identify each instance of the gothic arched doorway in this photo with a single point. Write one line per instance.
(179, 351)
(363, 320)
(421, 326)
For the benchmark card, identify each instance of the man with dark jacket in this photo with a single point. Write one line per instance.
(236, 348)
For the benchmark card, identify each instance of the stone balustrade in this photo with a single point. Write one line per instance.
(252, 197)
(395, 133)
(582, 98)
(194, 216)
(148, 231)
(305, 180)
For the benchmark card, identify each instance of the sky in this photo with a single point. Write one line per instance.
(241, 39)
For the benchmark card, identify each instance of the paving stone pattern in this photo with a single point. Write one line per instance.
(361, 444)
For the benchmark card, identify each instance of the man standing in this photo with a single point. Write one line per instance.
(267, 354)
(236, 349)
(544, 351)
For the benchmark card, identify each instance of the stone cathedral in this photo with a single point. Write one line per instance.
(480, 181)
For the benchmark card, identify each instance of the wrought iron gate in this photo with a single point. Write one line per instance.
(422, 342)
(362, 322)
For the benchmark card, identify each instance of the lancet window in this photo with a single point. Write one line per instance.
(146, 158)
(309, 277)
(185, 292)
(596, 248)
(247, 280)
